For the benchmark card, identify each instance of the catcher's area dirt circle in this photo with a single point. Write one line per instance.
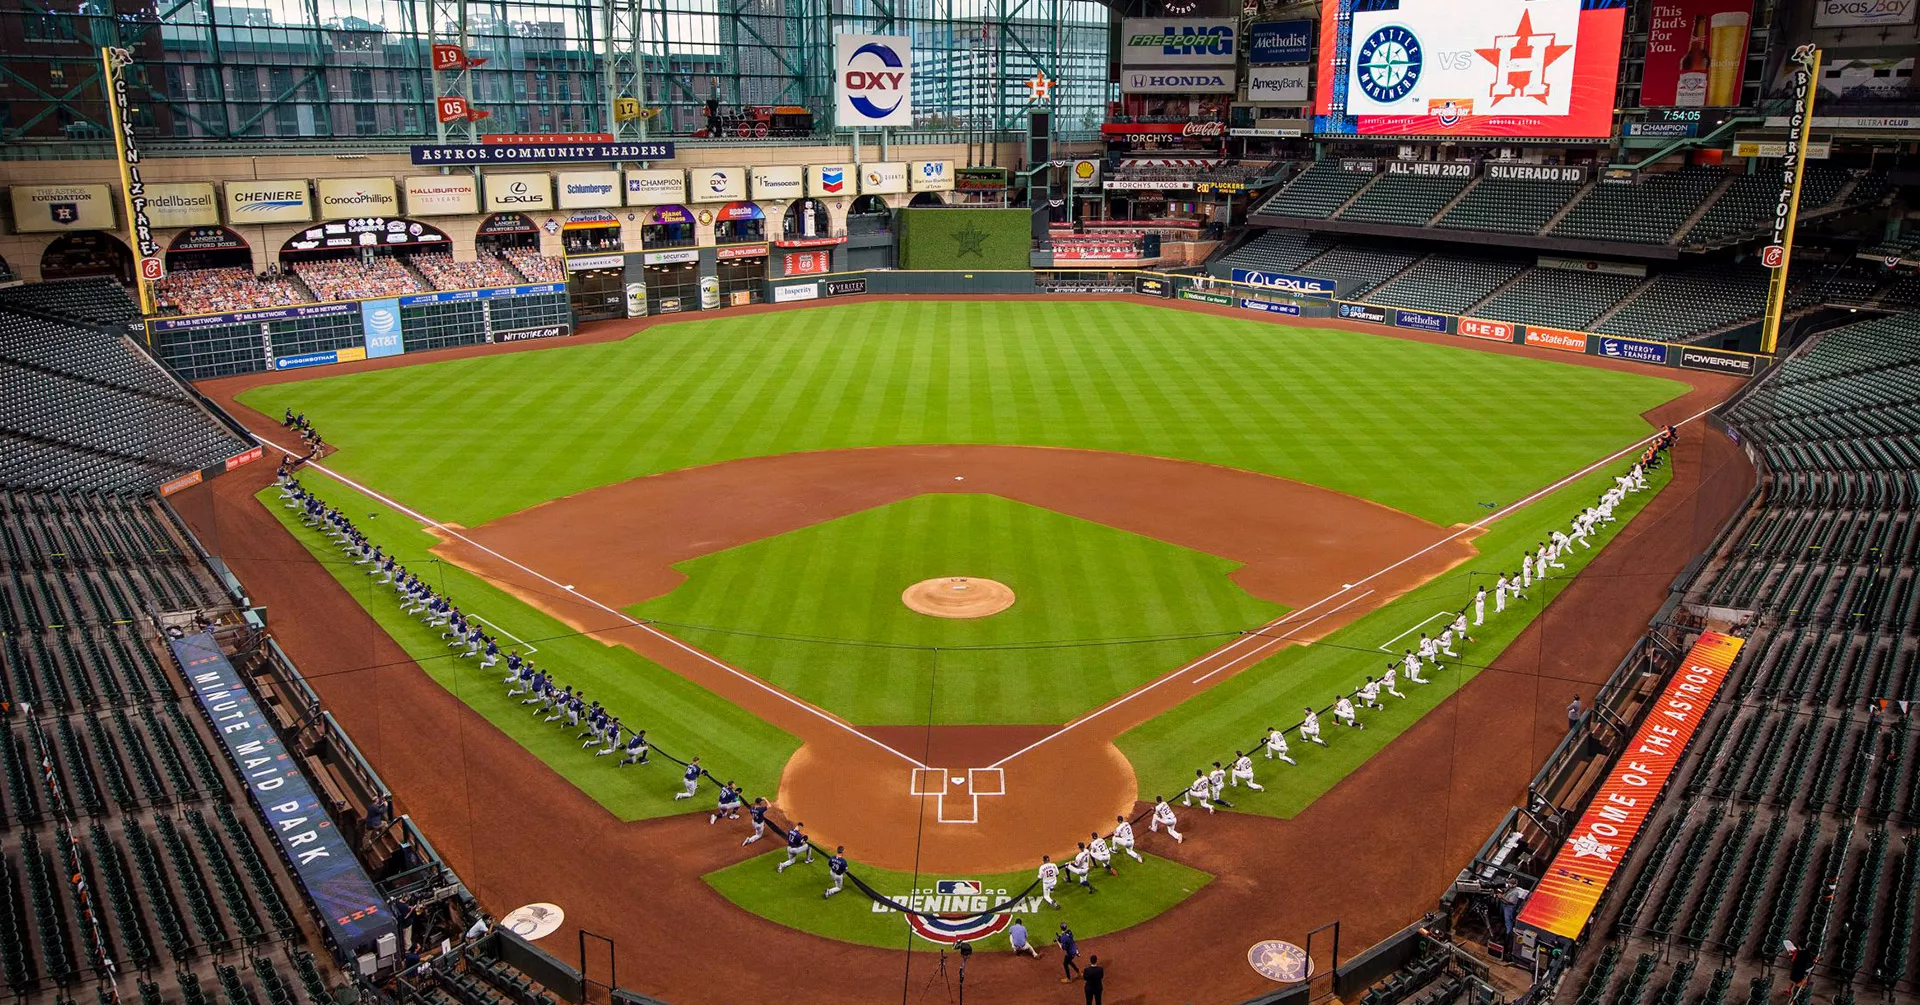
(958, 597)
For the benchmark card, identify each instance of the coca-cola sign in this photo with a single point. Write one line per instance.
(1200, 130)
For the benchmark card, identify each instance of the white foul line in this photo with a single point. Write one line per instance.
(528, 646)
(1349, 602)
(1387, 646)
(1271, 641)
(622, 615)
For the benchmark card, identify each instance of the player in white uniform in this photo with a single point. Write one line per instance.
(1343, 713)
(1049, 878)
(1411, 664)
(1500, 595)
(1243, 772)
(1369, 694)
(1081, 868)
(1201, 789)
(1310, 728)
(1540, 560)
(1102, 855)
(1480, 607)
(1163, 817)
(1277, 746)
(1123, 837)
(1389, 677)
(1526, 568)
(1430, 652)
(1217, 784)
(1460, 630)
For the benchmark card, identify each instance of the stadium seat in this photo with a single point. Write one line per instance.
(1315, 193)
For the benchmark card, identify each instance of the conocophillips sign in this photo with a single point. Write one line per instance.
(1183, 43)
(346, 197)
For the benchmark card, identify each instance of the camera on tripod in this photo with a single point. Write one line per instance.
(966, 949)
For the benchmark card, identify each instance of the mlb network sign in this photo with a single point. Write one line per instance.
(872, 80)
(1188, 42)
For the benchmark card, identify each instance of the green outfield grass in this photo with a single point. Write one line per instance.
(1235, 714)
(1427, 429)
(679, 716)
(793, 899)
(774, 598)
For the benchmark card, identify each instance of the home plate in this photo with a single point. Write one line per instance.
(959, 779)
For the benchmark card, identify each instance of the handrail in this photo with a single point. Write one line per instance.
(1688, 142)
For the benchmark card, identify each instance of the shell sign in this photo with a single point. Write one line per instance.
(1085, 172)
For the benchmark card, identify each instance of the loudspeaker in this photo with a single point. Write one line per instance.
(1039, 129)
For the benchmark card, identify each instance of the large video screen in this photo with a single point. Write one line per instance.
(1488, 68)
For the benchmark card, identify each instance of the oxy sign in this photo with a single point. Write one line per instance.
(872, 80)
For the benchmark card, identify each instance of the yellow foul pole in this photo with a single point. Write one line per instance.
(1793, 167)
(133, 194)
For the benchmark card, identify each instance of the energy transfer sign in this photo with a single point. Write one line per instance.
(872, 80)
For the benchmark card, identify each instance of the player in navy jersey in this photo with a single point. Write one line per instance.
(837, 867)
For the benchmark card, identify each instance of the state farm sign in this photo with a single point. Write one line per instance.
(1492, 331)
(1557, 338)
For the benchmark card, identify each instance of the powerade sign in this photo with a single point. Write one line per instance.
(1711, 360)
(1269, 306)
(1633, 349)
(380, 319)
(1306, 286)
(1420, 321)
(1270, 42)
(1363, 312)
(322, 859)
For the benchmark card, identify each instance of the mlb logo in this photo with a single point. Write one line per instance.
(1449, 111)
(833, 180)
(954, 887)
(64, 212)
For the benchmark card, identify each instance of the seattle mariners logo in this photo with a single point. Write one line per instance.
(1388, 64)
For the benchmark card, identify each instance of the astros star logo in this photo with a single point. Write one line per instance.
(1588, 846)
(970, 241)
(1520, 62)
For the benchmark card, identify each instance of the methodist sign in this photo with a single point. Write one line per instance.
(1598, 845)
(872, 80)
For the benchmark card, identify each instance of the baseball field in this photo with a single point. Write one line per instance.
(1207, 523)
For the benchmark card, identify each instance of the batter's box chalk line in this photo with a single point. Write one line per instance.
(940, 786)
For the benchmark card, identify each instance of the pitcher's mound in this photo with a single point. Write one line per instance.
(958, 597)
